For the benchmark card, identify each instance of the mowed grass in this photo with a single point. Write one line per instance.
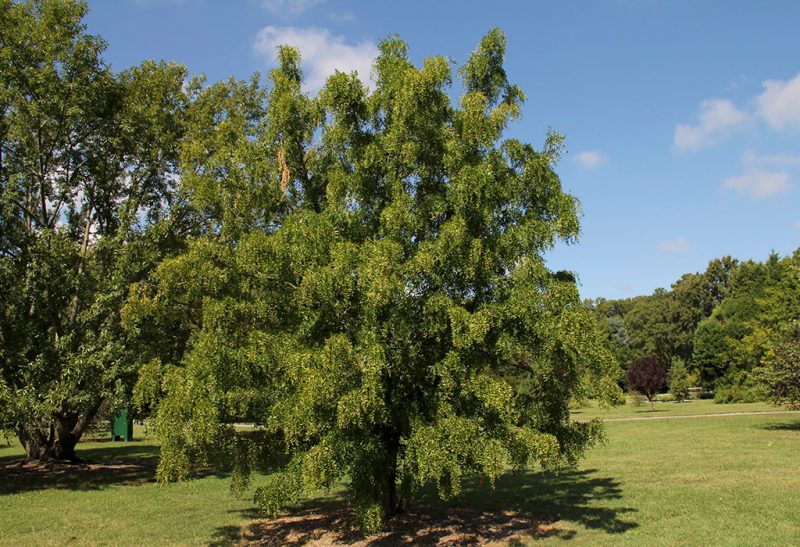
(119, 504)
(727, 480)
(669, 408)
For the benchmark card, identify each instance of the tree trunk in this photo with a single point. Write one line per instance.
(392, 498)
(59, 444)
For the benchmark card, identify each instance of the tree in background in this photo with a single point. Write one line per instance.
(87, 163)
(679, 380)
(781, 370)
(371, 288)
(651, 327)
(734, 340)
(648, 376)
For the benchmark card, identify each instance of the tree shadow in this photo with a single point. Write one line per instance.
(788, 426)
(130, 464)
(522, 506)
(226, 535)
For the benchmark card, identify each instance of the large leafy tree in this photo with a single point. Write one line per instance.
(370, 289)
(86, 179)
(780, 373)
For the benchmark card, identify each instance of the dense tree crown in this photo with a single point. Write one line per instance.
(647, 375)
(370, 287)
(86, 159)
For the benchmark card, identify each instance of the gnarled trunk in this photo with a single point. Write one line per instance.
(59, 442)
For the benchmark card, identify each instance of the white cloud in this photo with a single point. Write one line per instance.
(322, 53)
(678, 245)
(779, 104)
(289, 7)
(344, 17)
(751, 158)
(759, 184)
(590, 159)
(718, 119)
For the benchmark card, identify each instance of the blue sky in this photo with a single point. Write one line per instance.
(682, 118)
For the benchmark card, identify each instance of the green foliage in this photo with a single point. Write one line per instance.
(370, 288)
(780, 374)
(86, 178)
(679, 380)
(722, 323)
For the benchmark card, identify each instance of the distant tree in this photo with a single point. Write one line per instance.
(713, 349)
(651, 325)
(648, 376)
(679, 379)
(730, 343)
(781, 371)
(610, 316)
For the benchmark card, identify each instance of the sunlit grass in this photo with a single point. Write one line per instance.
(716, 480)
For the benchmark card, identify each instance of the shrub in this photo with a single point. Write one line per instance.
(647, 376)
(679, 380)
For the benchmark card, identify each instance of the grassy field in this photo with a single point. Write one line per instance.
(659, 409)
(725, 480)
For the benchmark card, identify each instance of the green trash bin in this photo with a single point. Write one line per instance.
(121, 425)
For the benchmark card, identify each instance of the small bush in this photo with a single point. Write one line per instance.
(637, 399)
(739, 389)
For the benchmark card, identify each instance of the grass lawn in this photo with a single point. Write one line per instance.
(671, 408)
(728, 480)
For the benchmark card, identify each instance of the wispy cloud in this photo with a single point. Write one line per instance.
(322, 52)
(678, 245)
(590, 159)
(718, 119)
(779, 104)
(759, 184)
(751, 158)
(289, 7)
(344, 17)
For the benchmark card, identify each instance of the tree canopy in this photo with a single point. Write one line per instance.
(87, 163)
(723, 324)
(370, 287)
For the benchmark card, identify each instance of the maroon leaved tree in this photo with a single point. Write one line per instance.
(647, 376)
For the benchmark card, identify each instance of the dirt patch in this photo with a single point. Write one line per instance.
(421, 526)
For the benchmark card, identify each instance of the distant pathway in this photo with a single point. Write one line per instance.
(716, 414)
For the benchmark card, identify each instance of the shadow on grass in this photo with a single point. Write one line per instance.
(522, 506)
(788, 426)
(131, 464)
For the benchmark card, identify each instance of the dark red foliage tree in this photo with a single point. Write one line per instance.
(647, 375)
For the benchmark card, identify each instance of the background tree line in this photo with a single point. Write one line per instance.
(730, 325)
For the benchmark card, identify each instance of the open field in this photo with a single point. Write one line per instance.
(671, 408)
(728, 480)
